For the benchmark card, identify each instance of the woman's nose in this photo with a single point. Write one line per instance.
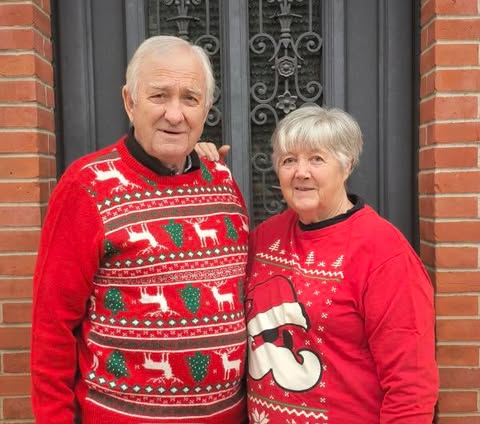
(303, 169)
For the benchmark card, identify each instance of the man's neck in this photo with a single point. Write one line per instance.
(136, 150)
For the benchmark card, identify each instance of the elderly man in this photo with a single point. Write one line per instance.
(138, 286)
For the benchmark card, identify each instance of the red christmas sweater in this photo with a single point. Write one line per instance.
(340, 324)
(138, 308)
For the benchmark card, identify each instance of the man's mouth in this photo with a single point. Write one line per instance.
(172, 132)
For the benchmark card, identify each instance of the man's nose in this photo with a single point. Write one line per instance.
(174, 112)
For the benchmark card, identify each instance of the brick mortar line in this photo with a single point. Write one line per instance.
(446, 220)
(449, 95)
(446, 195)
(27, 180)
(26, 155)
(457, 317)
(32, 28)
(450, 170)
(448, 121)
(446, 146)
(450, 245)
(5, 53)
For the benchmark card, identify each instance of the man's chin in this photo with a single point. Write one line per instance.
(170, 154)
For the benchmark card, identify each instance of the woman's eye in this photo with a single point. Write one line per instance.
(287, 161)
(317, 158)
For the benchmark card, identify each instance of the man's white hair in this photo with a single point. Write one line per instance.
(160, 46)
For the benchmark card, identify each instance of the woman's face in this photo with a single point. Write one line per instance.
(313, 184)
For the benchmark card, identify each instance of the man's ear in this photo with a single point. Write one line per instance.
(207, 109)
(128, 103)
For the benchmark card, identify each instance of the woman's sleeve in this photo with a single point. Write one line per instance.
(67, 260)
(400, 324)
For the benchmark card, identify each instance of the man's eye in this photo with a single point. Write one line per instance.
(191, 99)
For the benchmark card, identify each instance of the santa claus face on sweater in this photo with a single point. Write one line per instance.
(313, 184)
(274, 320)
(169, 109)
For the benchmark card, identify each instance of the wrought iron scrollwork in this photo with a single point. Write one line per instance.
(183, 19)
(191, 21)
(286, 73)
(262, 164)
(286, 60)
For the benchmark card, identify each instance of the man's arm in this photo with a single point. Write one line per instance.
(66, 262)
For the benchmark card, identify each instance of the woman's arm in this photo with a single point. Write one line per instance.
(400, 324)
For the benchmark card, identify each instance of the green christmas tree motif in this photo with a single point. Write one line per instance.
(198, 364)
(109, 249)
(191, 298)
(114, 301)
(206, 175)
(116, 364)
(231, 232)
(175, 231)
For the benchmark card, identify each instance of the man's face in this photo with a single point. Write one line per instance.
(170, 108)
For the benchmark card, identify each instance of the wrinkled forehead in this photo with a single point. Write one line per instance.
(180, 62)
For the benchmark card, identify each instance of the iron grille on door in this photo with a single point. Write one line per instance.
(359, 56)
(284, 53)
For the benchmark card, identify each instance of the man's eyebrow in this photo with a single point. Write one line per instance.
(158, 86)
(195, 91)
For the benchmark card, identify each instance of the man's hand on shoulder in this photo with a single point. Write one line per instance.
(210, 151)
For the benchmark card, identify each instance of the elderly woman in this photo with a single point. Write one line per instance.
(339, 308)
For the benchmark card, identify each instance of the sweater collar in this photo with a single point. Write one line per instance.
(139, 154)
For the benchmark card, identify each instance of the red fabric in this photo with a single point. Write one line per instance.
(356, 345)
(127, 327)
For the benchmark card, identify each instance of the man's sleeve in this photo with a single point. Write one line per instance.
(68, 257)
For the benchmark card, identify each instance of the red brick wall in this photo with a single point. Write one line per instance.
(449, 186)
(27, 171)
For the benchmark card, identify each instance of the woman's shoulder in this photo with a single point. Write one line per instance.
(368, 227)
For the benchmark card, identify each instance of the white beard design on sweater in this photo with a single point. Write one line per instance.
(271, 305)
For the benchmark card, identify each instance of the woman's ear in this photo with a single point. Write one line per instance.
(348, 169)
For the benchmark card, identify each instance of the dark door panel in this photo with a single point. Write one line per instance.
(269, 58)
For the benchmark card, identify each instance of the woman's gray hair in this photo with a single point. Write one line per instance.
(161, 45)
(313, 128)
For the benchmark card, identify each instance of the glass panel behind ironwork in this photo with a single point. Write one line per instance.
(285, 73)
(198, 22)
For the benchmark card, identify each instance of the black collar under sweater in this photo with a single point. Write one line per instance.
(137, 151)
(358, 204)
